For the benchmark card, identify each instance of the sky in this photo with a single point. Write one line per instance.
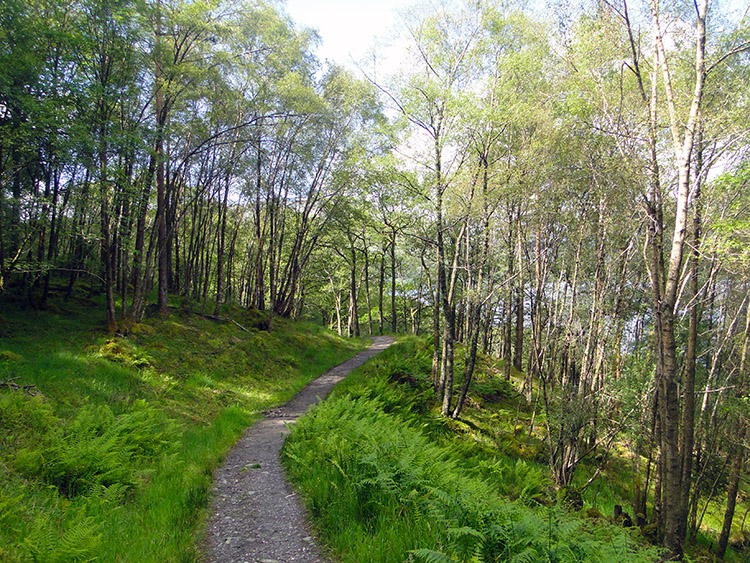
(348, 28)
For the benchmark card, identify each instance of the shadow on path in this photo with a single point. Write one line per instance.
(255, 517)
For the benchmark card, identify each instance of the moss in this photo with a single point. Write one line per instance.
(651, 533)
(570, 497)
(142, 328)
(624, 520)
(255, 319)
(122, 352)
(524, 449)
(113, 350)
(131, 327)
(54, 309)
(8, 356)
(742, 544)
(594, 514)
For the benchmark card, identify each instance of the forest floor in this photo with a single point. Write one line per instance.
(124, 431)
(255, 516)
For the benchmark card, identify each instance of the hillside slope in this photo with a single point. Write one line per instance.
(106, 438)
(387, 479)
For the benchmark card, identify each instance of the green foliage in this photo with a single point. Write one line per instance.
(399, 378)
(125, 433)
(519, 479)
(97, 449)
(23, 417)
(431, 556)
(492, 388)
(76, 543)
(383, 485)
(732, 227)
(47, 527)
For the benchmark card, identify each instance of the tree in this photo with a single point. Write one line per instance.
(429, 96)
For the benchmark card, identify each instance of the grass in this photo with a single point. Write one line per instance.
(125, 431)
(387, 479)
(492, 441)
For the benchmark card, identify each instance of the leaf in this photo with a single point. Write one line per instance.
(465, 531)
(432, 556)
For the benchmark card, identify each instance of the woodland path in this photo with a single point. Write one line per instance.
(255, 516)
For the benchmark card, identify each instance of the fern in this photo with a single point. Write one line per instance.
(97, 449)
(79, 543)
(338, 466)
(8, 512)
(76, 543)
(431, 556)
(528, 555)
(382, 489)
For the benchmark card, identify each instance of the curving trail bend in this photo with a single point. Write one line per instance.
(255, 517)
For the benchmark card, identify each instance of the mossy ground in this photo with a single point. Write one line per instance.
(123, 433)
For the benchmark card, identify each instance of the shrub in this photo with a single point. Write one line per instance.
(380, 489)
(96, 448)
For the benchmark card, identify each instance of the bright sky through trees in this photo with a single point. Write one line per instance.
(348, 28)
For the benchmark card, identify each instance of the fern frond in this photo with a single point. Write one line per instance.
(528, 555)
(432, 556)
(465, 531)
(79, 542)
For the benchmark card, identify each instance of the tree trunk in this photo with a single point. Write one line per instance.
(394, 319)
(221, 246)
(367, 286)
(518, 348)
(449, 331)
(688, 384)
(136, 307)
(260, 297)
(471, 357)
(508, 325)
(683, 141)
(734, 485)
(435, 294)
(381, 287)
(161, 200)
(353, 324)
(475, 289)
(106, 243)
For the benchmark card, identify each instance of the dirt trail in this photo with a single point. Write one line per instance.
(255, 517)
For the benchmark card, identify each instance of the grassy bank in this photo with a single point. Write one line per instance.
(386, 479)
(111, 460)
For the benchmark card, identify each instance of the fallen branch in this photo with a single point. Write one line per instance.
(239, 325)
(222, 319)
(10, 384)
(214, 318)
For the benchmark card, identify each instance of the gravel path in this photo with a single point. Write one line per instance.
(255, 517)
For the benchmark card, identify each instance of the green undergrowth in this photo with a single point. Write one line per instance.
(111, 459)
(385, 478)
